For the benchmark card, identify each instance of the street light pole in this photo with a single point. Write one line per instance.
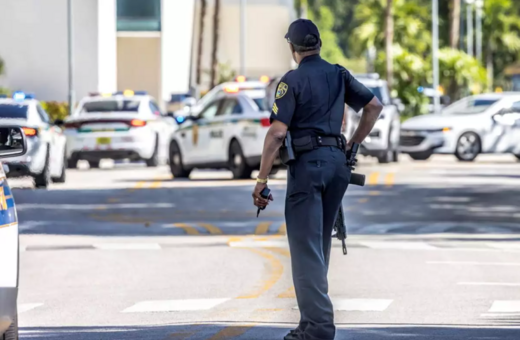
(469, 25)
(479, 4)
(435, 55)
(70, 34)
(243, 37)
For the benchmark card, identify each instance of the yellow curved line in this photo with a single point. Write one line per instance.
(275, 272)
(187, 228)
(262, 228)
(213, 230)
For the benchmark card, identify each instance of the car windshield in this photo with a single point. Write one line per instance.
(377, 92)
(13, 111)
(469, 106)
(111, 106)
(260, 102)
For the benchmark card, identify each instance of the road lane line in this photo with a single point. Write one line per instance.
(472, 263)
(27, 206)
(373, 178)
(231, 332)
(505, 306)
(262, 228)
(363, 200)
(283, 229)
(363, 305)
(213, 230)
(187, 228)
(275, 272)
(374, 193)
(389, 179)
(504, 284)
(174, 305)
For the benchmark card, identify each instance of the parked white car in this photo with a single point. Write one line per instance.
(486, 123)
(383, 140)
(45, 158)
(123, 125)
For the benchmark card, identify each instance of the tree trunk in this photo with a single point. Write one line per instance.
(214, 61)
(454, 23)
(389, 38)
(201, 40)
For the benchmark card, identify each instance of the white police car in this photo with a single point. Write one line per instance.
(45, 157)
(123, 125)
(383, 141)
(485, 123)
(12, 144)
(228, 133)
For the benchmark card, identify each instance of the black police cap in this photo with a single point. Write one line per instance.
(299, 29)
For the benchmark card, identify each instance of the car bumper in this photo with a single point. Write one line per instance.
(31, 163)
(414, 142)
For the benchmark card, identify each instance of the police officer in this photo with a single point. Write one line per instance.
(309, 103)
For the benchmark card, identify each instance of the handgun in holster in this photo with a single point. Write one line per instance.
(287, 155)
(340, 227)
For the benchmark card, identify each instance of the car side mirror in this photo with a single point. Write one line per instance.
(13, 142)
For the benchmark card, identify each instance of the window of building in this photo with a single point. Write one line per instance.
(138, 15)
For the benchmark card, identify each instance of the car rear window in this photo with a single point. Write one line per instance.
(111, 106)
(260, 102)
(15, 111)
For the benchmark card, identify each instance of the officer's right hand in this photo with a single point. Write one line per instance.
(258, 200)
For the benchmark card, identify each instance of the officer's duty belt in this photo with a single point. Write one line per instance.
(309, 143)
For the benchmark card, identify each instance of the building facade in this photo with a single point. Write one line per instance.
(143, 45)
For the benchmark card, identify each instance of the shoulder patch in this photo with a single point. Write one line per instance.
(282, 90)
(275, 109)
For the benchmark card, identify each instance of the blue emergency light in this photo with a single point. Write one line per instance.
(21, 96)
(180, 119)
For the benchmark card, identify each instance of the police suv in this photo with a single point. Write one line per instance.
(383, 140)
(228, 132)
(45, 157)
(13, 143)
(122, 125)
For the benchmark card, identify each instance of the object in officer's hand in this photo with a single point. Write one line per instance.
(265, 194)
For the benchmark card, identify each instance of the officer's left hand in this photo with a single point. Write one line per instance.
(258, 200)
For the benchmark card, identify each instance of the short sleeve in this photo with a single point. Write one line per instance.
(285, 101)
(357, 96)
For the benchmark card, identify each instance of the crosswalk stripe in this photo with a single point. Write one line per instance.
(186, 227)
(25, 307)
(262, 228)
(174, 305)
(505, 306)
(213, 230)
(397, 245)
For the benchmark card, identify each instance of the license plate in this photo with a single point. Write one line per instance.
(104, 141)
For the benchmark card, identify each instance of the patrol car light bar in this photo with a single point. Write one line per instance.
(126, 93)
(242, 79)
(19, 96)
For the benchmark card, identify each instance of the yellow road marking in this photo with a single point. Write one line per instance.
(389, 179)
(137, 186)
(181, 336)
(281, 251)
(363, 200)
(187, 228)
(374, 193)
(262, 228)
(288, 294)
(213, 230)
(372, 179)
(113, 200)
(275, 273)
(283, 229)
(230, 332)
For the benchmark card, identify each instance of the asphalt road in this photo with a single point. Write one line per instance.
(130, 253)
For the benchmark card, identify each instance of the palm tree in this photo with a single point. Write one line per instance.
(389, 41)
(454, 23)
(214, 61)
(201, 40)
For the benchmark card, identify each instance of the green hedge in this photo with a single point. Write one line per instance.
(56, 110)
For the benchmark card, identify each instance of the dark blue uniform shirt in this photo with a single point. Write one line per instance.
(311, 99)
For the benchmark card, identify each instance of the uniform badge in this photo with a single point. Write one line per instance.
(282, 90)
(275, 109)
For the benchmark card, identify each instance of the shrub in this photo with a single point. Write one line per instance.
(56, 110)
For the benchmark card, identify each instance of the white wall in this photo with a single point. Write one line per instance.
(33, 44)
(176, 34)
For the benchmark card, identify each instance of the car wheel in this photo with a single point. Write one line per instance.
(518, 157)
(420, 156)
(43, 179)
(63, 175)
(237, 162)
(176, 167)
(468, 147)
(93, 164)
(154, 160)
(72, 163)
(389, 154)
(12, 331)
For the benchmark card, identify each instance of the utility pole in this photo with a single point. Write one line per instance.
(70, 37)
(243, 37)
(435, 55)
(480, 5)
(469, 25)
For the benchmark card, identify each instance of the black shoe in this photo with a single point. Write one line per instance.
(295, 334)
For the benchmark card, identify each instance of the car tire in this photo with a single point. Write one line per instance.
(43, 179)
(176, 166)
(237, 162)
(468, 147)
(63, 175)
(12, 331)
(154, 160)
(72, 163)
(420, 156)
(93, 164)
(518, 157)
(389, 155)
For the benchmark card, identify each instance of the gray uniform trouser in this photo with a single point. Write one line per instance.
(316, 185)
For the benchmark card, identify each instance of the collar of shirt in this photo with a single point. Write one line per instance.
(309, 59)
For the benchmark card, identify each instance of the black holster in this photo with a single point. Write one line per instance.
(286, 152)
